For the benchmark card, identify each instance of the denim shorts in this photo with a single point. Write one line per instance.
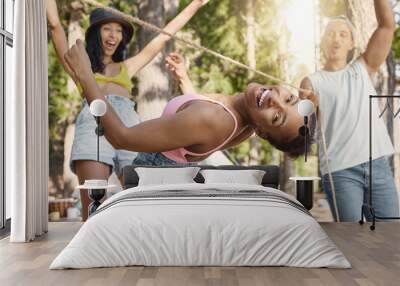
(84, 146)
(153, 159)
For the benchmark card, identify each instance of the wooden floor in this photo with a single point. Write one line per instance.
(374, 255)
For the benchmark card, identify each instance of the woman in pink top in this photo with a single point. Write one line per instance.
(193, 126)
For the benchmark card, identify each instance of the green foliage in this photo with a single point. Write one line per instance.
(220, 26)
(58, 95)
(396, 44)
(126, 6)
(59, 107)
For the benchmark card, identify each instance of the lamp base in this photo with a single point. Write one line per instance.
(95, 195)
(304, 190)
(369, 212)
(305, 193)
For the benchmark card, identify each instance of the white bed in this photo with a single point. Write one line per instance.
(201, 224)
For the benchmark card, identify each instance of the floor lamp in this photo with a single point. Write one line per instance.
(368, 208)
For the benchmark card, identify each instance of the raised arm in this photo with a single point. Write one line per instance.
(58, 34)
(148, 53)
(176, 65)
(150, 136)
(308, 92)
(381, 40)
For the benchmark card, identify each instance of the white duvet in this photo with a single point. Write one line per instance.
(185, 230)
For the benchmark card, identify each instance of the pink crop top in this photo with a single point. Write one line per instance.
(178, 155)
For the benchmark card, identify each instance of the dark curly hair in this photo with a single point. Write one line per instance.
(295, 147)
(94, 50)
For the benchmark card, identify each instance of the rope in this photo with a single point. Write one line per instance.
(191, 44)
(328, 166)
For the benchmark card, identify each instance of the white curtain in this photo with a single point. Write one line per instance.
(27, 124)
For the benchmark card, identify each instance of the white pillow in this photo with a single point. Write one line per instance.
(248, 177)
(163, 176)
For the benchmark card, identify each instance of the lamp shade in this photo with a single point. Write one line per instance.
(305, 107)
(98, 107)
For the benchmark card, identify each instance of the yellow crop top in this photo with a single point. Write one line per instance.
(121, 79)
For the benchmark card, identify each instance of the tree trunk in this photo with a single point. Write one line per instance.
(391, 89)
(250, 35)
(75, 32)
(286, 171)
(396, 139)
(154, 83)
(362, 15)
(255, 144)
(70, 180)
(171, 10)
(285, 162)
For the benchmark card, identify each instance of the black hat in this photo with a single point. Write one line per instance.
(101, 16)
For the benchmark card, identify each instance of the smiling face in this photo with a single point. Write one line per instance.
(273, 112)
(337, 41)
(111, 37)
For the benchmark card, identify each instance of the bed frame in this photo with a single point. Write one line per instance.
(130, 178)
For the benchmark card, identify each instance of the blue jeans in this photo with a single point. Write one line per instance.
(152, 159)
(351, 187)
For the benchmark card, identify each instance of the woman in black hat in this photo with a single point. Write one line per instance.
(106, 40)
